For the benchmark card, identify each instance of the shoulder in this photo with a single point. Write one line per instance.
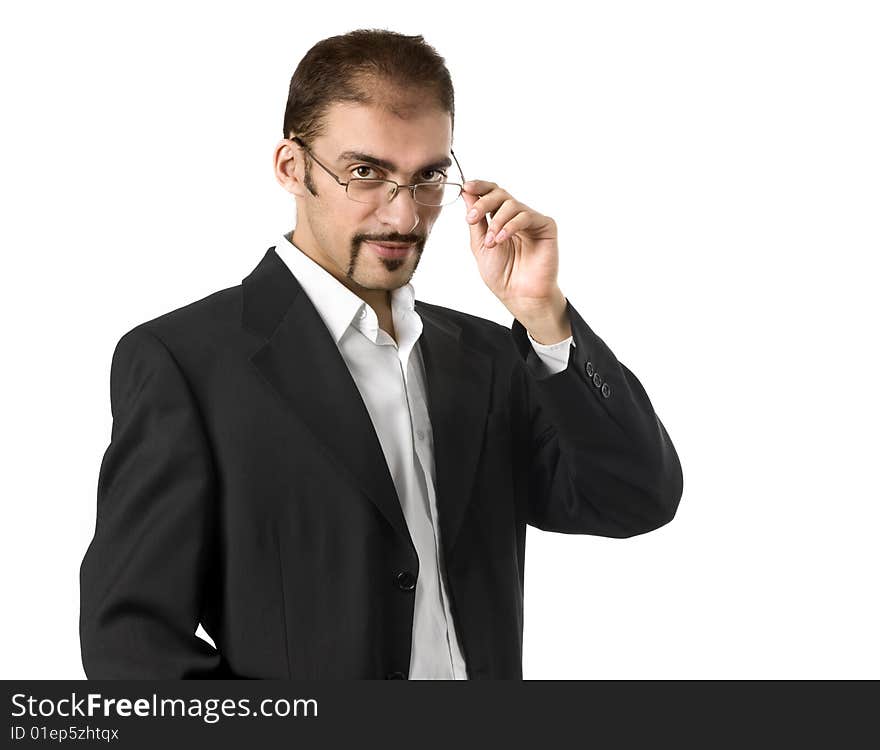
(462, 319)
(198, 326)
(476, 331)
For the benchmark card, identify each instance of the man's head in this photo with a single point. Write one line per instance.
(376, 94)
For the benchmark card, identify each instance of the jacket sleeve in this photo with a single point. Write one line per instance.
(552, 358)
(142, 577)
(599, 461)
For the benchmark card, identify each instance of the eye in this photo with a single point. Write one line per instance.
(440, 175)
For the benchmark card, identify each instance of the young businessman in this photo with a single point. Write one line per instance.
(333, 477)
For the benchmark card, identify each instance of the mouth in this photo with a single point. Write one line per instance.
(393, 250)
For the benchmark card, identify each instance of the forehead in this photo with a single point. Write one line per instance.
(407, 137)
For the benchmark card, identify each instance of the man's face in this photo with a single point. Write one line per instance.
(338, 232)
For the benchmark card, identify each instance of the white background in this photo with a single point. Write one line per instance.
(713, 170)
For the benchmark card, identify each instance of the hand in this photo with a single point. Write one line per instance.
(521, 265)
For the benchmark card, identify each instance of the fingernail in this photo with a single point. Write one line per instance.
(501, 235)
(489, 238)
(472, 213)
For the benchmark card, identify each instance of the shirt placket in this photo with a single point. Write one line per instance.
(423, 441)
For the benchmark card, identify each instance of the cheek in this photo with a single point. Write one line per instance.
(429, 219)
(344, 222)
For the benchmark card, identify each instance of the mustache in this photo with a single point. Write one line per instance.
(396, 240)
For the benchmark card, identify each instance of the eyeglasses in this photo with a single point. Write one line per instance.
(374, 190)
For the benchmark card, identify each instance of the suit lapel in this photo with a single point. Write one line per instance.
(458, 383)
(302, 364)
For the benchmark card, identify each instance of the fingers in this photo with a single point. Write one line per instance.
(523, 220)
(479, 187)
(481, 198)
(506, 228)
(508, 215)
(504, 213)
(502, 221)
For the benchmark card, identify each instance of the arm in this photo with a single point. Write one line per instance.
(143, 575)
(600, 460)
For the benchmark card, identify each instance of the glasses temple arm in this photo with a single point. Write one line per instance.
(461, 172)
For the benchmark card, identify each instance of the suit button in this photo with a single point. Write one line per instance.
(588, 368)
(395, 676)
(406, 581)
(597, 379)
(606, 390)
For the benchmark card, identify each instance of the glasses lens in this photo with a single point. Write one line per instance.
(437, 194)
(428, 194)
(369, 191)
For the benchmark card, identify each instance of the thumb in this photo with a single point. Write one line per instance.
(478, 226)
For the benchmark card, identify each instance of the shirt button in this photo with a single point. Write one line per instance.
(406, 581)
(420, 435)
(362, 314)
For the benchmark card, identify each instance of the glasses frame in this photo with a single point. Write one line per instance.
(397, 185)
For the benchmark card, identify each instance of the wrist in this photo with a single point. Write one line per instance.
(547, 322)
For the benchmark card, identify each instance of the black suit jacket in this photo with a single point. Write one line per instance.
(244, 487)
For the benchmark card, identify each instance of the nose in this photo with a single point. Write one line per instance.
(402, 212)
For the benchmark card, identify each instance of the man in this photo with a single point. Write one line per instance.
(333, 478)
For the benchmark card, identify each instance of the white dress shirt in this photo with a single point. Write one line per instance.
(391, 379)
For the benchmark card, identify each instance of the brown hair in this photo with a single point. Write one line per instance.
(366, 66)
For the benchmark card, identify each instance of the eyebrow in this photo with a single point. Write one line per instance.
(387, 165)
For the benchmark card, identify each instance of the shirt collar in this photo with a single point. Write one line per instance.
(338, 306)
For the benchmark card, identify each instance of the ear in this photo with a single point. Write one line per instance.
(286, 162)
